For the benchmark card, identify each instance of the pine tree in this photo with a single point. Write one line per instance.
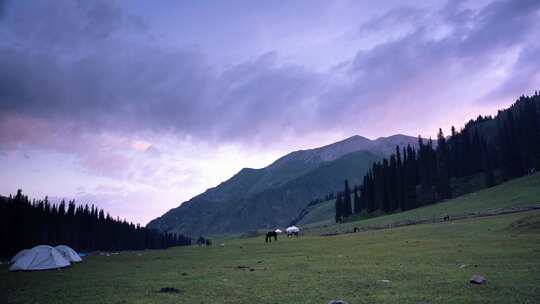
(25, 224)
(385, 189)
(357, 203)
(511, 160)
(400, 180)
(392, 184)
(347, 205)
(443, 182)
(531, 127)
(487, 167)
(339, 208)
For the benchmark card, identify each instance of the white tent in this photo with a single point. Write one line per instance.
(18, 255)
(68, 253)
(278, 231)
(293, 229)
(40, 258)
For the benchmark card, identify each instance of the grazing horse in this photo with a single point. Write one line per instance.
(270, 235)
(446, 218)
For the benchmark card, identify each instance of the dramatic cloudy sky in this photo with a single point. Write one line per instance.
(138, 105)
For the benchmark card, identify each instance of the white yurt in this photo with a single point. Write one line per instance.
(40, 258)
(293, 229)
(18, 255)
(68, 253)
(278, 231)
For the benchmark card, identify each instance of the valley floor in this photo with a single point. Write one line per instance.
(429, 263)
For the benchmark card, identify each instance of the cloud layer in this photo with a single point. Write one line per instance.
(120, 87)
(97, 66)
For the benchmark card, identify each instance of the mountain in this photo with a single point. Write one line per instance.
(272, 196)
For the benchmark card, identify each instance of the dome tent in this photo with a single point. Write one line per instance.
(40, 258)
(68, 253)
(18, 255)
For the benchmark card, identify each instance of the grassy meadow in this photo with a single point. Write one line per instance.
(428, 263)
(520, 192)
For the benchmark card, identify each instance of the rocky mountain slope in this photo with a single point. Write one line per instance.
(272, 196)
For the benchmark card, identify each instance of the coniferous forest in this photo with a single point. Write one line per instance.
(498, 148)
(25, 223)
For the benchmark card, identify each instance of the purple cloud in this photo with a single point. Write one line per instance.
(104, 72)
(91, 79)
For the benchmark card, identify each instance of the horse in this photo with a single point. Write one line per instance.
(202, 241)
(446, 218)
(270, 235)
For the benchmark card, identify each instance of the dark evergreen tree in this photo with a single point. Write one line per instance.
(25, 224)
(356, 202)
(411, 179)
(443, 180)
(339, 208)
(508, 143)
(487, 165)
(392, 182)
(530, 132)
(510, 156)
(400, 180)
(347, 205)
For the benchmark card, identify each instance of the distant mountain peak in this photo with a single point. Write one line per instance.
(267, 197)
(382, 145)
(354, 138)
(395, 136)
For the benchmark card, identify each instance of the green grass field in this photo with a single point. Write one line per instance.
(421, 262)
(427, 263)
(519, 192)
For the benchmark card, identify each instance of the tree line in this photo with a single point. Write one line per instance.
(25, 223)
(499, 148)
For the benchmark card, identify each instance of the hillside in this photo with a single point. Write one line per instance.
(323, 213)
(318, 215)
(520, 192)
(273, 196)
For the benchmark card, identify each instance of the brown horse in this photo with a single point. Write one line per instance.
(270, 235)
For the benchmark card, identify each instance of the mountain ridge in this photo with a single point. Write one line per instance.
(258, 198)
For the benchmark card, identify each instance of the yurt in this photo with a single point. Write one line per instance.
(40, 258)
(293, 229)
(18, 255)
(278, 231)
(68, 253)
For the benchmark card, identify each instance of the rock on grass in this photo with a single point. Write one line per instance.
(169, 290)
(477, 279)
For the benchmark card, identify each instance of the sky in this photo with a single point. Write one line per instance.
(137, 106)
